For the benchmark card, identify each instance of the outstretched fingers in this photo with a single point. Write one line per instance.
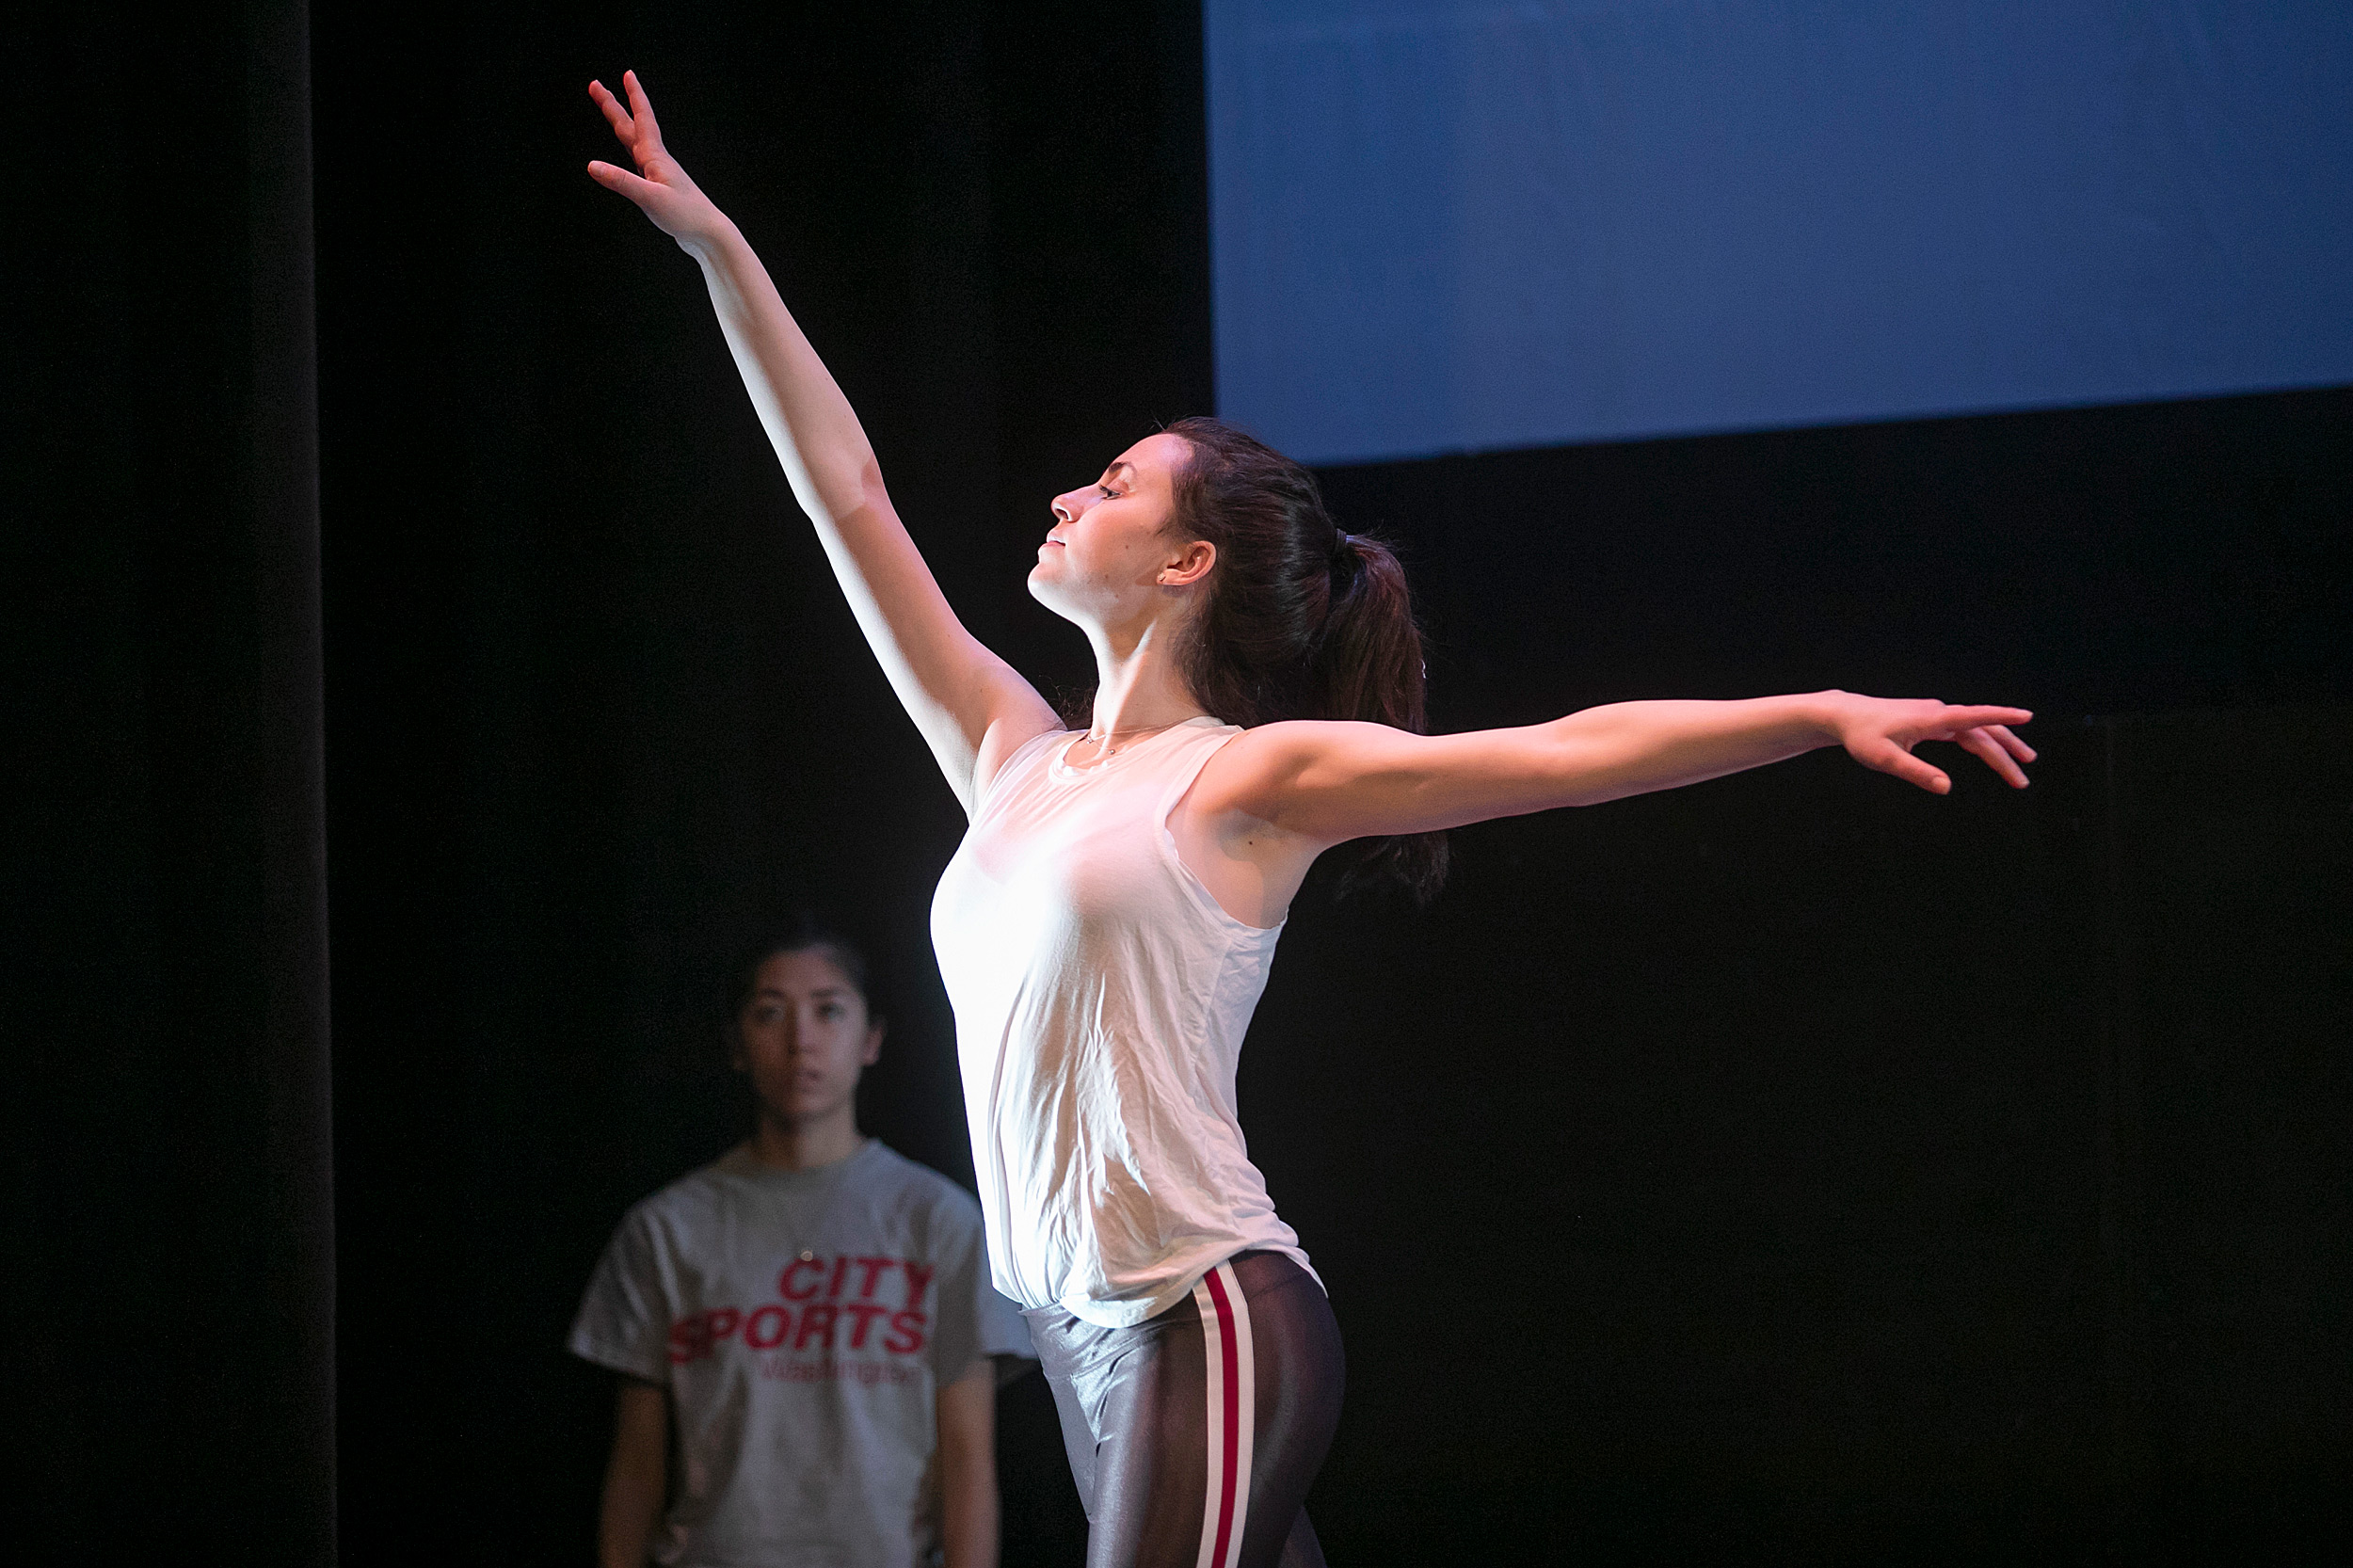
(641, 108)
(1887, 756)
(1987, 747)
(635, 124)
(1949, 724)
(1881, 734)
(1984, 733)
(614, 115)
(658, 185)
(613, 178)
(2010, 742)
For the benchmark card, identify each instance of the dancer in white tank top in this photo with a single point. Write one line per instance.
(1101, 995)
(1106, 927)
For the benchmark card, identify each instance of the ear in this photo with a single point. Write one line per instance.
(1190, 566)
(872, 1052)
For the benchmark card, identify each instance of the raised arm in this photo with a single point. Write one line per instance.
(970, 706)
(1327, 783)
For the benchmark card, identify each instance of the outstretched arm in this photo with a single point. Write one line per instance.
(972, 709)
(1325, 783)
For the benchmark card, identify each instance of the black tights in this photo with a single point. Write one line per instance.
(1158, 1440)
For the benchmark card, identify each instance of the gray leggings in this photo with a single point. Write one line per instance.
(1194, 1435)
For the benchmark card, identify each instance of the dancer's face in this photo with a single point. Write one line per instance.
(804, 1036)
(1110, 558)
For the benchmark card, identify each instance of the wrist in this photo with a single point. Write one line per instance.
(713, 244)
(1825, 714)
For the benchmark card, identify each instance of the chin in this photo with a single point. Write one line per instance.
(1046, 591)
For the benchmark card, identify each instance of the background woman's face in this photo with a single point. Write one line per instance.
(1109, 543)
(804, 1036)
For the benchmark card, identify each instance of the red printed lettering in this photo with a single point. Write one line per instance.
(906, 1332)
(721, 1321)
(919, 1280)
(688, 1341)
(840, 1267)
(874, 1266)
(765, 1329)
(816, 1323)
(784, 1281)
(864, 1312)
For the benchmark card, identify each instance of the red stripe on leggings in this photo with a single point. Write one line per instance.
(1233, 1415)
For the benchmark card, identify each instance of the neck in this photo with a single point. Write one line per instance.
(1138, 687)
(803, 1145)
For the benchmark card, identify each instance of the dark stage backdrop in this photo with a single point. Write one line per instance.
(168, 1285)
(1796, 1168)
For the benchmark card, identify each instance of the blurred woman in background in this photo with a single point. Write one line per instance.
(805, 1323)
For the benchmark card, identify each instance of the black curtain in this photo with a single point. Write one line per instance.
(169, 1287)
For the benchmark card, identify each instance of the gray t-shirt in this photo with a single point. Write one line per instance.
(803, 1322)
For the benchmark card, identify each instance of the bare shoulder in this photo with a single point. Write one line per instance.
(1287, 745)
(1258, 770)
(1007, 733)
(1346, 742)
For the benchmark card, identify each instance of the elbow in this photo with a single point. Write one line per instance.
(858, 490)
(840, 491)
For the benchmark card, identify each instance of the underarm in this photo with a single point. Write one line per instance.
(1252, 868)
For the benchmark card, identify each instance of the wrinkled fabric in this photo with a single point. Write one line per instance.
(804, 1323)
(1101, 995)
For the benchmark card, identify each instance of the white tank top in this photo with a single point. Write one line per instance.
(1100, 995)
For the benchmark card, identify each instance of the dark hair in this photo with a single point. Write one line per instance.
(804, 932)
(1302, 621)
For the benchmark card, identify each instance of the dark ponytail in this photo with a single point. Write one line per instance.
(1302, 621)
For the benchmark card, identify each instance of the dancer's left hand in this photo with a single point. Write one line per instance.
(1879, 732)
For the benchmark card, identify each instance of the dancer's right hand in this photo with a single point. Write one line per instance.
(660, 187)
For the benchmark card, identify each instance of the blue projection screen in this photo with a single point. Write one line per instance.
(1445, 226)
